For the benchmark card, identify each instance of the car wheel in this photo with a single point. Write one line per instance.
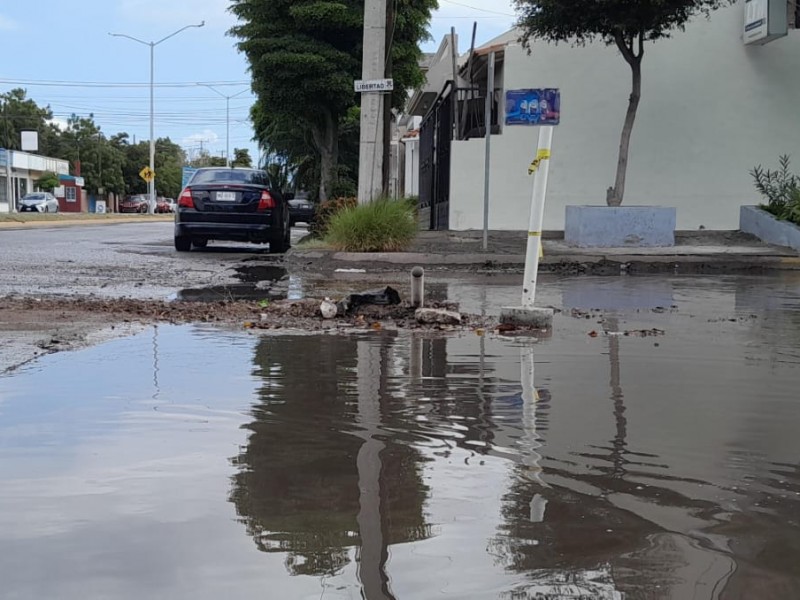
(278, 245)
(199, 243)
(183, 243)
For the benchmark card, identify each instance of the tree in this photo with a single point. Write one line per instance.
(241, 158)
(625, 24)
(19, 113)
(48, 181)
(304, 56)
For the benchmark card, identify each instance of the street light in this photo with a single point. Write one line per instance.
(152, 184)
(227, 120)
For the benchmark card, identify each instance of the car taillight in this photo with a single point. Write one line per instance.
(266, 201)
(185, 200)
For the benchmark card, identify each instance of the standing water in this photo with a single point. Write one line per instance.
(648, 449)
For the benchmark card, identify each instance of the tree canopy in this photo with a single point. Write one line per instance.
(110, 164)
(627, 24)
(304, 56)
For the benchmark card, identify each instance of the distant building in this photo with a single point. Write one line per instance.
(25, 169)
(712, 108)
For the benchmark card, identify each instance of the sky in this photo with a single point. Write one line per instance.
(61, 52)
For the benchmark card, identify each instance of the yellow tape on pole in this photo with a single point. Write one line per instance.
(539, 235)
(541, 155)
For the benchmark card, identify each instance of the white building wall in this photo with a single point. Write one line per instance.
(411, 146)
(711, 109)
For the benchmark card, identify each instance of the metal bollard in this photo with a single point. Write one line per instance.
(417, 287)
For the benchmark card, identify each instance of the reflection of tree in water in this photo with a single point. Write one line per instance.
(297, 489)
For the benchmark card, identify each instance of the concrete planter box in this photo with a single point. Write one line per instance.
(620, 226)
(763, 225)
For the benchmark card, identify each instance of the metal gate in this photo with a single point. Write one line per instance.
(436, 137)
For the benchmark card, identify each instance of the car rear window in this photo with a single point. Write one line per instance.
(229, 176)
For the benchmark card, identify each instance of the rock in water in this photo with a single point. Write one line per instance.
(436, 316)
(328, 309)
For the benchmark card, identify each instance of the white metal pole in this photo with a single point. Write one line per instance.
(152, 184)
(537, 216)
(487, 166)
(227, 131)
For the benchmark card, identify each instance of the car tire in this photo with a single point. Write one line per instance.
(280, 244)
(183, 243)
(199, 243)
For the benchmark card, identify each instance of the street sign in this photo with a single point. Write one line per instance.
(147, 174)
(374, 85)
(533, 107)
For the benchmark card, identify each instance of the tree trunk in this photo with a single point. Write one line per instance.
(326, 140)
(614, 195)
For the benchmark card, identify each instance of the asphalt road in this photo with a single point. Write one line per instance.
(124, 260)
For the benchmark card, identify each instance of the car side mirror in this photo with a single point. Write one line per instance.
(288, 196)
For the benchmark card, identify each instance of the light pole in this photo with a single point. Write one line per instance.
(227, 120)
(152, 184)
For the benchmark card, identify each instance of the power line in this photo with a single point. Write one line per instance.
(486, 10)
(120, 84)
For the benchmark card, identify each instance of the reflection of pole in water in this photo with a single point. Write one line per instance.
(619, 444)
(373, 554)
(157, 389)
(532, 439)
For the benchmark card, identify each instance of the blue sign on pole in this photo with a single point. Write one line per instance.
(187, 175)
(533, 107)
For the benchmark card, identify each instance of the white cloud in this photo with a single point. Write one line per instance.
(7, 24)
(59, 122)
(207, 138)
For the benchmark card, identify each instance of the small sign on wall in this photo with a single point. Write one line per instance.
(541, 106)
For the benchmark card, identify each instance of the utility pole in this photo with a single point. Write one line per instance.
(370, 160)
(387, 104)
(227, 120)
(152, 185)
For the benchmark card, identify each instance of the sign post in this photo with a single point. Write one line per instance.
(542, 108)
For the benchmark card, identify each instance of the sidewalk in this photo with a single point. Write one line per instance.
(694, 252)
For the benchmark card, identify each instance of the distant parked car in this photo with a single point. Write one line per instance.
(231, 204)
(134, 204)
(43, 202)
(301, 210)
(165, 205)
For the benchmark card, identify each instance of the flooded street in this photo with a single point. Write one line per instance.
(648, 449)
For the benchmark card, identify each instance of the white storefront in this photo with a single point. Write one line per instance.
(25, 169)
(712, 108)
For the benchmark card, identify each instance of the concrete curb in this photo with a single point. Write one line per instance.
(561, 262)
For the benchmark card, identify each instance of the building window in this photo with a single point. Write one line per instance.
(71, 194)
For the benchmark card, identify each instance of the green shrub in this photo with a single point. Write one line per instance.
(781, 189)
(380, 226)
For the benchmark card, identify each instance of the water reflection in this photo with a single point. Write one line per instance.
(319, 477)
(400, 466)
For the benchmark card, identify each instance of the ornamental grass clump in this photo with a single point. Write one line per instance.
(380, 226)
(781, 190)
